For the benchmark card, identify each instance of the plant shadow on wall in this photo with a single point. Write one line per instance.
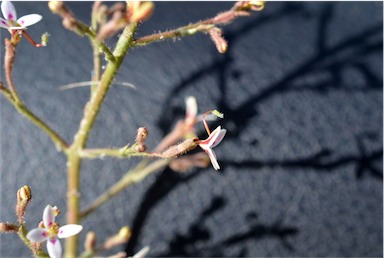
(349, 53)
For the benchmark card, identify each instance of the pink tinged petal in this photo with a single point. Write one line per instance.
(29, 20)
(142, 253)
(8, 10)
(48, 216)
(212, 138)
(37, 235)
(212, 157)
(69, 230)
(54, 248)
(4, 24)
(219, 138)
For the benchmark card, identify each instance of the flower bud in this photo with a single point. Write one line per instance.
(250, 5)
(141, 136)
(139, 11)
(8, 228)
(24, 194)
(90, 241)
(58, 7)
(217, 38)
(125, 233)
(44, 39)
(120, 238)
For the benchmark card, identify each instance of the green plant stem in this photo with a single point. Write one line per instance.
(130, 178)
(96, 69)
(96, 54)
(101, 46)
(22, 109)
(117, 153)
(188, 30)
(91, 110)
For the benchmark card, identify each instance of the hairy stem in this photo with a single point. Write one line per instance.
(91, 111)
(116, 153)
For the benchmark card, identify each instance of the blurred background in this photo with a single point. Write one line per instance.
(301, 87)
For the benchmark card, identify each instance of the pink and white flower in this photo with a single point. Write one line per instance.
(212, 141)
(52, 231)
(10, 21)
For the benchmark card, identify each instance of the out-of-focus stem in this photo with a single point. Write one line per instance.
(130, 178)
(59, 142)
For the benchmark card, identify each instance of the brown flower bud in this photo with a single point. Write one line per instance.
(8, 228)
(24, 195)
(141, 136)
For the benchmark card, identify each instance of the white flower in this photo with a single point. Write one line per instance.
(52, 231)
(10, 20)
(212, 141)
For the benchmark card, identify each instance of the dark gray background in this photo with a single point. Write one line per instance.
(301, 89)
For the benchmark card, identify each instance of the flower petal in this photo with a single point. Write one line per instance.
(37, 235)
(212, 157)
(212, 138)
(219, 138)
(8, 10)
(69, 230)
(54, 248)
(191, 106)
(28, 20)
(4, 24)
(142, 253)
(48, 216)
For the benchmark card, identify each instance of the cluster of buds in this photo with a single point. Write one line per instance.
(69, 20)
(120, 15)
(141, 136)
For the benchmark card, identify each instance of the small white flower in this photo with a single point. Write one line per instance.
(52, 231)
(10, 21)
(212, 141)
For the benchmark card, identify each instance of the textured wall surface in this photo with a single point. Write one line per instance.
(301, 89)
